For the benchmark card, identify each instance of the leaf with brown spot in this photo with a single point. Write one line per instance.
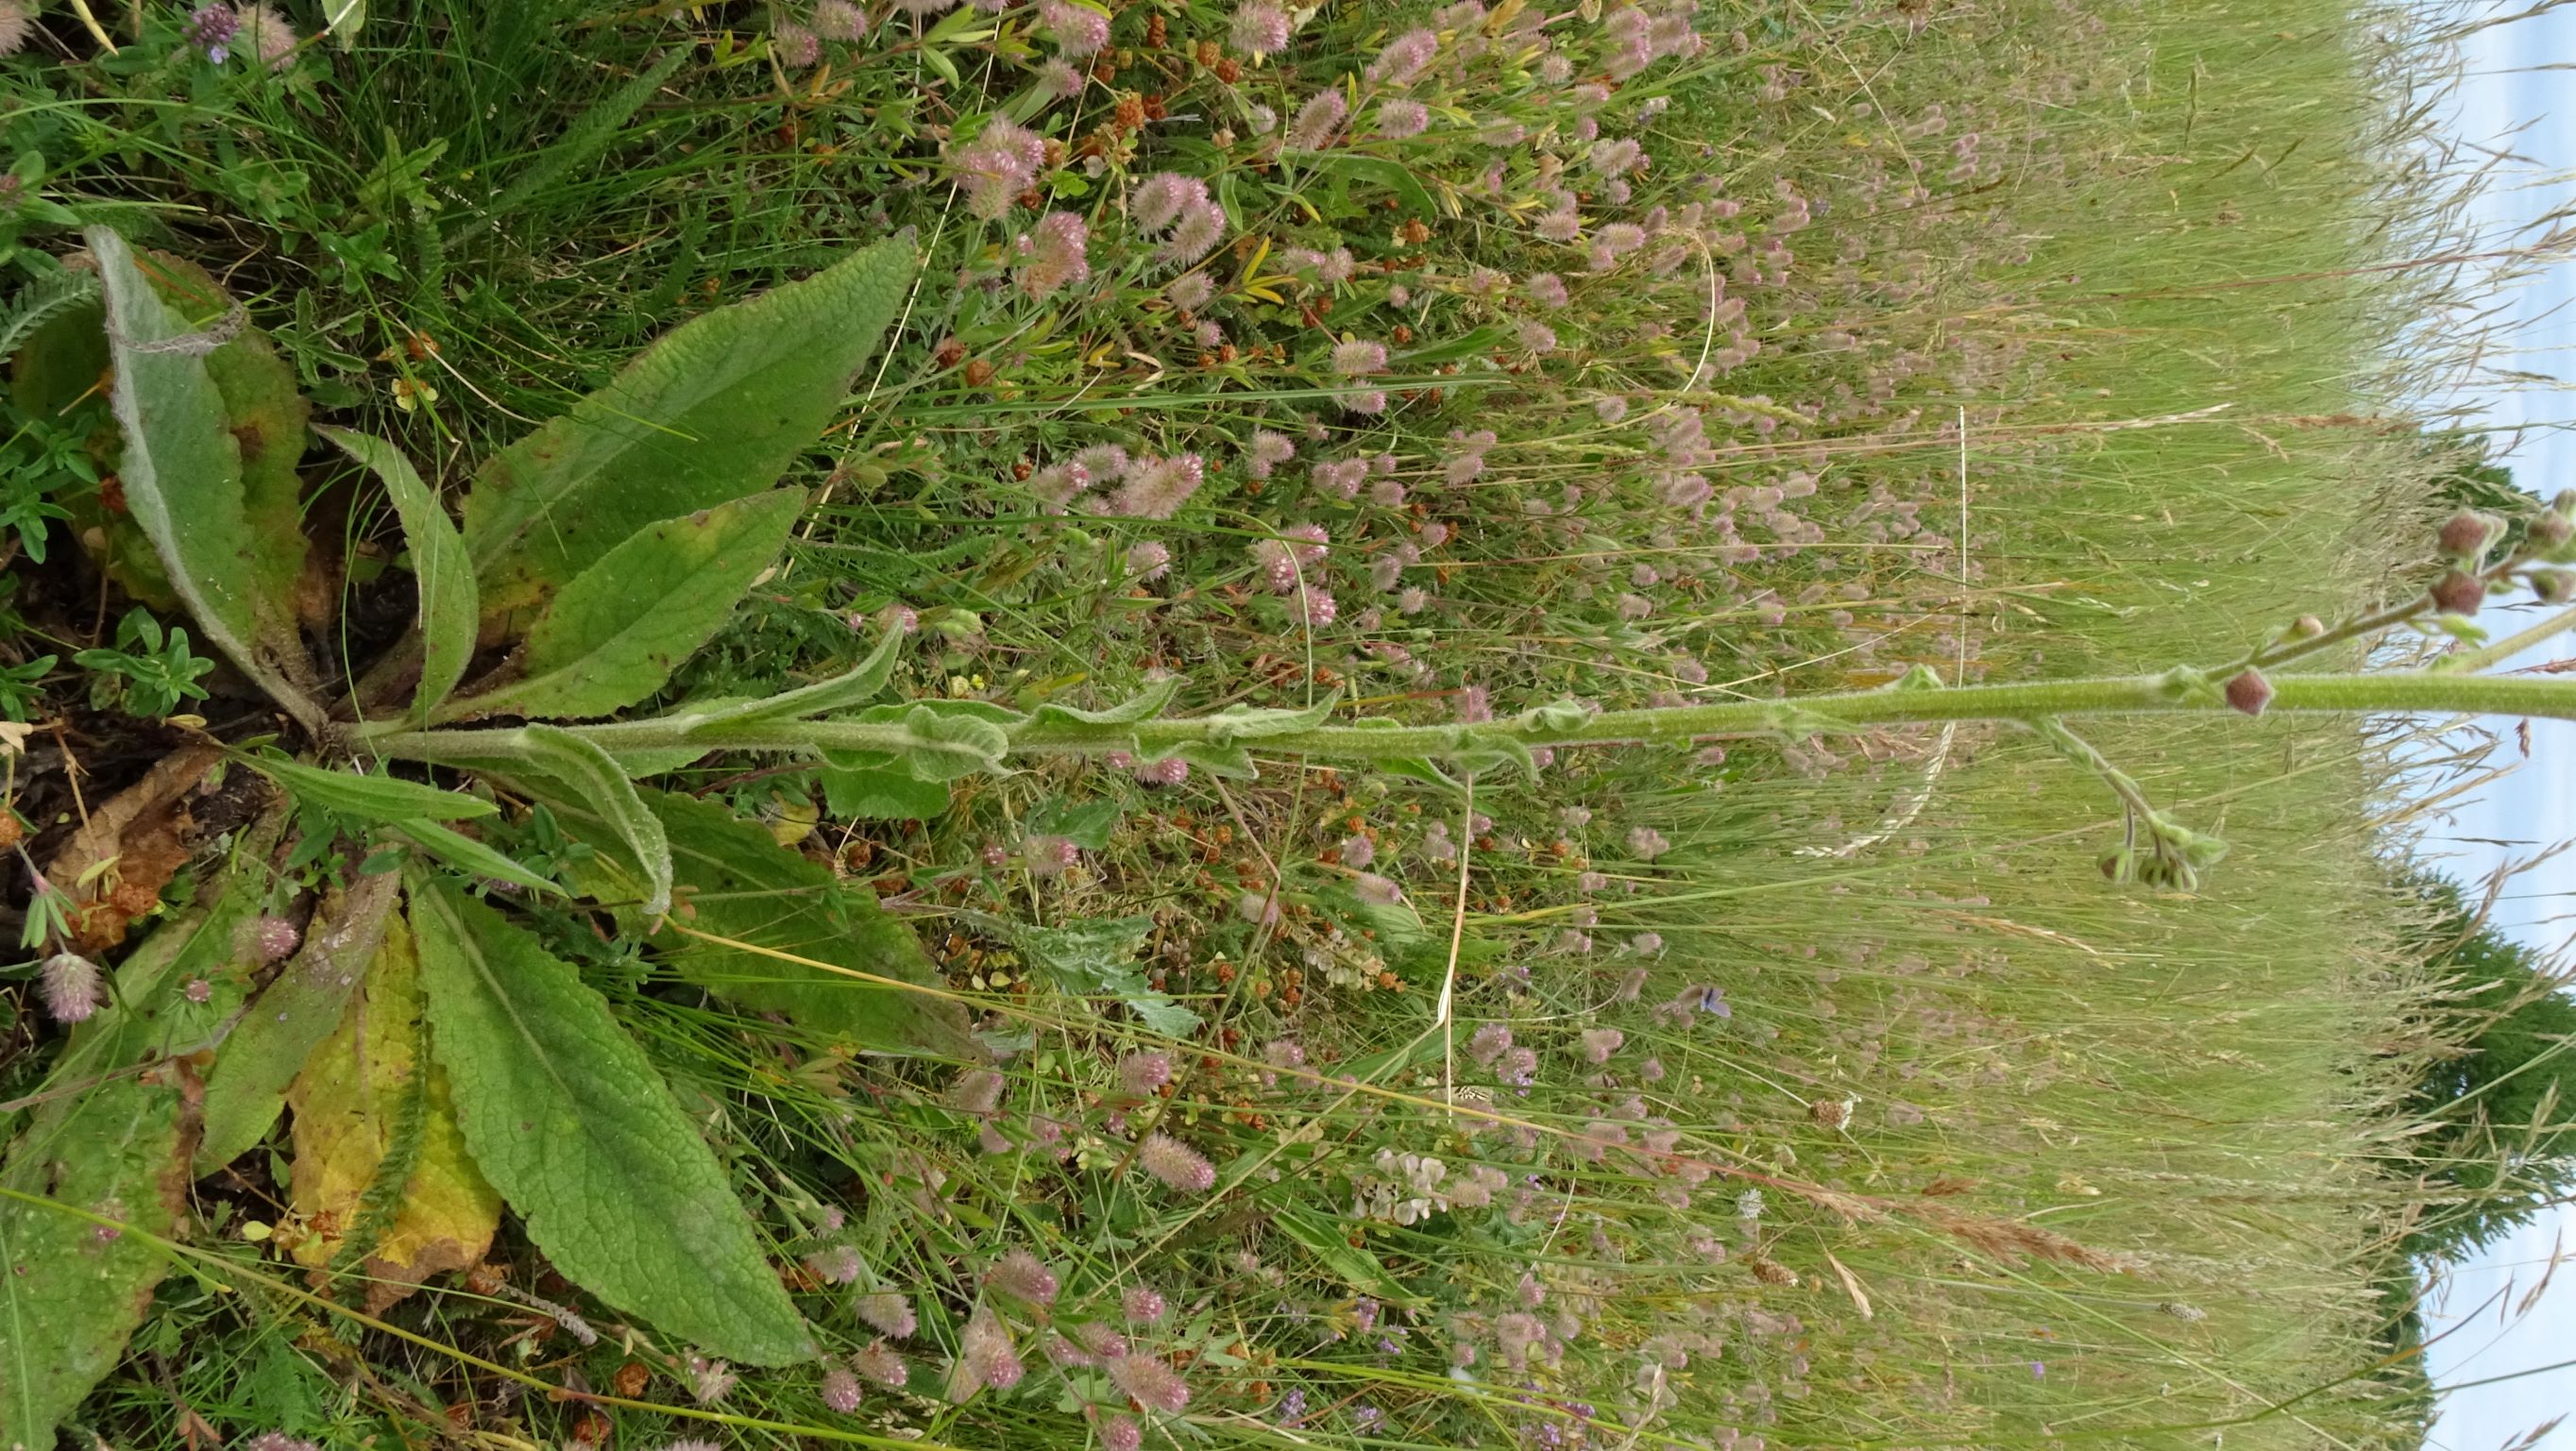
(378, 1154)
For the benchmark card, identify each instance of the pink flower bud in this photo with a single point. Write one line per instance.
(2248, 692)
(2459, 593)
(2467, 534)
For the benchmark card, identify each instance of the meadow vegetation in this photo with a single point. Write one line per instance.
(1417, 362)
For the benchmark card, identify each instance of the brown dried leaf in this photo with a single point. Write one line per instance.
(145, 830)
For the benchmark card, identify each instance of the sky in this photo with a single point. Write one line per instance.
(2504, 101)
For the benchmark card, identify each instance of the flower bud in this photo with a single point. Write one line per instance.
(2248, 692)
(2459, 593)
(2550, 534)
(2467, 534)
(2307, 627)
(2554, 586)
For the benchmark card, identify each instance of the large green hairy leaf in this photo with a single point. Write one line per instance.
(615, 634)
(566, 1117)
(110, 1137)
(183, 480)
(714, 411)
(741, 885)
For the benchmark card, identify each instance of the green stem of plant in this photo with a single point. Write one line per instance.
(2384, 692)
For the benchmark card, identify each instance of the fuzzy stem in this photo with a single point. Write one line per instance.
(2382, 692)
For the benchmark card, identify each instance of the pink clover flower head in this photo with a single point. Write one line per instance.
(1056, 485)
(1055, 254)
(1078, 29)
(1317, 122)
(1312, 608)
(72, 987)
(269, 39)
(890, 1313)
(1023, 1276)
(1614, 156)
(1140, 1074)
(274, 937)
(1340, 478)
(882, 1366)
(1195, 235)
(1359, 358)
(1149, 1382)
(1402, 119)
(1156, 488)
(710, 1381)
(1148, 561)
(1142, 1305)
(1048, 856)
(838, 20)
(1404, 58)
(1001, 163)
(841, 1389)
(1162, 199)
(1259, 28)
(1103, 461)
(1268, 451)
(1648, 843)
(985, 1356)
(1059, 79)
(795, 46)
(836, 1265)
(1176, 1164)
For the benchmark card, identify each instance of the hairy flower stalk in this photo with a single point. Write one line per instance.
(2183, 692)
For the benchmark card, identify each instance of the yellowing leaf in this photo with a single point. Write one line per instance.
(380, 1165)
